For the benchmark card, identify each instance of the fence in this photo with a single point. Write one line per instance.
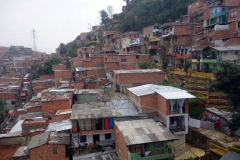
(195, 74)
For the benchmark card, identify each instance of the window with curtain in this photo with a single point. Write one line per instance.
(158, 144)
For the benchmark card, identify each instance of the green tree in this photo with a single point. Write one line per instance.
(1, 110)
(35, 68)
(104, 17)
(143, 65)
(165, 64)
(187, 65)
(62, 48)
(47, 67)
(227, 81)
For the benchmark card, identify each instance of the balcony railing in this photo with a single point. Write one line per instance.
(123, 60)
(174, 129)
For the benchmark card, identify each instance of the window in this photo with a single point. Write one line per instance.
(236, 52)
(210, 39)
(106, 59)
(83, 139)
(158, 144)
(137, 57)
(134, 35)
(108, 136)
(55, 151)
(123, 66)
(190, 6)
(238, 25)
(175, 38)
(223, 9)
(114, 57)
(84, 73)
(233, 14)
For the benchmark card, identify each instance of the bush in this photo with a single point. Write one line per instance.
(195, 110)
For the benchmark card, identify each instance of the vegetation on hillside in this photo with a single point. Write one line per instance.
(37, 69)
(143, 13)
(227, 80)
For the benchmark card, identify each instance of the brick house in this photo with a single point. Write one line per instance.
(123, 61)
(140, 143)
(168, 103)
(49, 145)
(82, 96)
(93, 124)
(123, 79)
(63, 114)
(34, 124)
(53, 102)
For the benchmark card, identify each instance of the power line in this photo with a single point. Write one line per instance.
(34, 42)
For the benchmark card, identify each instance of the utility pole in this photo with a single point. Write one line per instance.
(191, 28)
(34, 42)
(3, 110)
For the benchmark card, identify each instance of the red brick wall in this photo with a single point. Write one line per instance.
(17, 113)
(34, 109)
(55, 105)
(93, 85)
(194, 6)
(95, 62)
(59, 118)
(96, 132)
(111, 66)
(59, 67)
(139, 78)
(9, 66)
(120, 144)
(79, 85)
(3, 79)
(182, 40)
(231, 3)
(46, 152)
(6, 152)
(147, 29)
(47, 76)
(8, 95)
(163, 105)
(19, 63)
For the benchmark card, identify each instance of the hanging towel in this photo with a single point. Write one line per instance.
(106, 124)
(110, 123)
(81, 124)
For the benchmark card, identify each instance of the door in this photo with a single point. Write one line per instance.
(213, 55)
(207, 68)
(96, 138)
(198, 67)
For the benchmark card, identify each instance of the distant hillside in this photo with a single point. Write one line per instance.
(143, 13)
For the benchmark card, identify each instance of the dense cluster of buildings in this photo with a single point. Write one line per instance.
(105, 106)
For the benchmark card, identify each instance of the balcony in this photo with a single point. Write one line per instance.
(209, 60)
(175, 129)
(157, 154)
(217, 14)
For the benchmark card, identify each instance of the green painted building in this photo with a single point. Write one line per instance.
(143, 139)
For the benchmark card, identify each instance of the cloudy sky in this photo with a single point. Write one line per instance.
(55, 21)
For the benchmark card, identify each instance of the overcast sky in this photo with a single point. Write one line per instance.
(55, 21)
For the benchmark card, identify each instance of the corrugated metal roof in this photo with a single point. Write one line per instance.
(17, 127)
(59, 126)
(38, 140)
(236, 48)
(167, 92)
(224, 114)
(88, 68)
(137, 71)
(230, 155)
(125, 107)
(144, 131)
(94, 110)
(59, 138)
(89, 91)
